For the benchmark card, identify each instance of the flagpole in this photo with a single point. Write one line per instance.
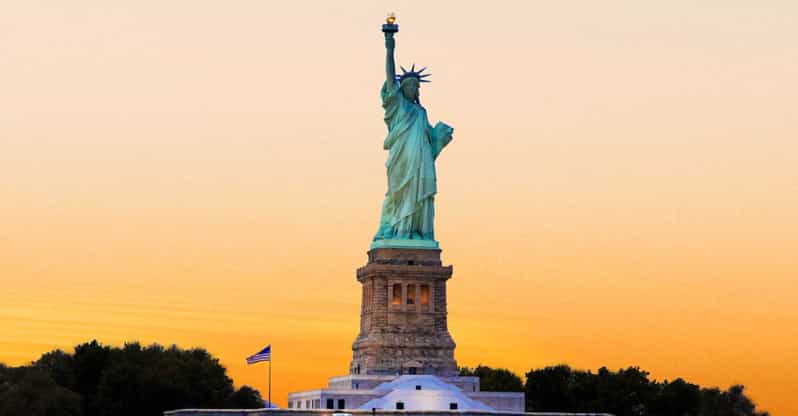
(270, 382)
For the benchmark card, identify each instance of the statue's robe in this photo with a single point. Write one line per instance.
(413, 145)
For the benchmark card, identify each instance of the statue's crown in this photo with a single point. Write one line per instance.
(413, 73)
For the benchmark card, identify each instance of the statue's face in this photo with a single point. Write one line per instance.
(410, 88)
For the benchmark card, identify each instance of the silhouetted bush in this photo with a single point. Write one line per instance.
(245, 398)
(629, 392)
(494, 379)
(133, 380)
(30, 391)
(626, 392)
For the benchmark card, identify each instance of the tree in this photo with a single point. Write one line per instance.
(60, 366)
(32, 392)
(732, 402)
(245, 398)
(677, 397)
(629, 392)
(148, 380)
(550, 389)
(99, 380)
(494, 379)
(90, 359)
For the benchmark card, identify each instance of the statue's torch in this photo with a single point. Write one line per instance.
(390, 25)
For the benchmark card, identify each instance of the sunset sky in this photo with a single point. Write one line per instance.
(622, 187)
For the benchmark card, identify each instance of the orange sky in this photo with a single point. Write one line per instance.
(622, 188)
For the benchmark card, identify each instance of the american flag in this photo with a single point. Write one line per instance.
(262, 355)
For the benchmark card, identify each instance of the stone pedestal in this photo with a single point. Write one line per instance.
(403, 327)
(403, 357)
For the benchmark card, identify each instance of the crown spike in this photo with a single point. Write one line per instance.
(412, 73)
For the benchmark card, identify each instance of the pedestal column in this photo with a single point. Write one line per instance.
(403, 328)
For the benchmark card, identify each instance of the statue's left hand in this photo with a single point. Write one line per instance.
(444, 129)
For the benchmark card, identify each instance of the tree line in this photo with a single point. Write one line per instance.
(132, 380)
(136, 380)
(626, 392)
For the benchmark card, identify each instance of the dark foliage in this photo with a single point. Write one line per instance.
(245, 398)
(730, 402)
(60, 366)
(494, 379)
(99, 380)
(677, 397)
(30, 391)
(629, 392)
(137, 380)
(90, 359)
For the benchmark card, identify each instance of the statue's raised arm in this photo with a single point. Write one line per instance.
(390, 43)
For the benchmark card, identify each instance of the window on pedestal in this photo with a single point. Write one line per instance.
(331, 403)
(425, 294)
(397, 294)
(411, 294)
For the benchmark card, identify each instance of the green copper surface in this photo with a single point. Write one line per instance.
(425, 244)
(413, 145)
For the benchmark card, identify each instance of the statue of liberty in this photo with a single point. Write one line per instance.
(413, 145)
